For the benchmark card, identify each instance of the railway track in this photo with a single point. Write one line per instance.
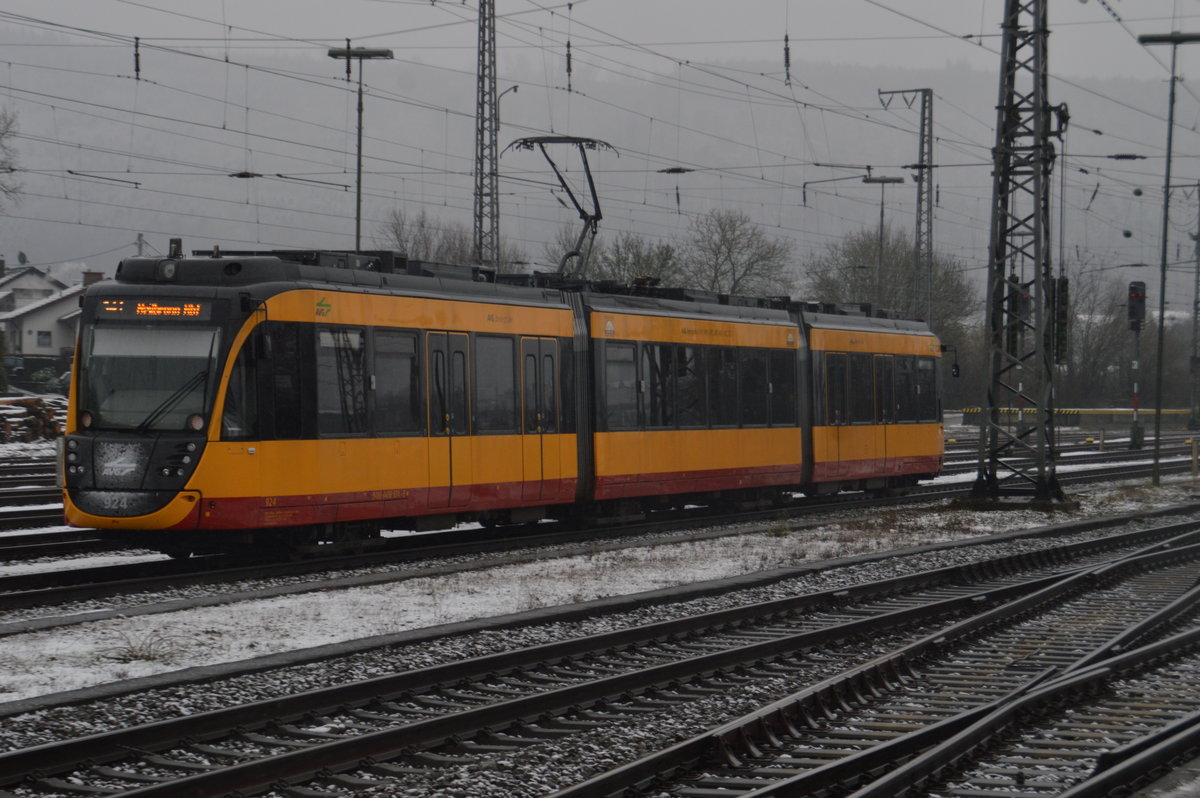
(896, 725)
(69, 588)
(58, 587)
(406, 731)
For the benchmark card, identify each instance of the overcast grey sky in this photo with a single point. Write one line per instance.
(1091, 37)
(229, 85)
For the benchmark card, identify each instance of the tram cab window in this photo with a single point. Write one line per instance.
(239, 416)
(620, 386)
(495, 384)
(784, 408)
(752, 376)
(397, 383)
(288, 391)
(341, 381)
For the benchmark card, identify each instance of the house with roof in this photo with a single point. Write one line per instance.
(39, 316)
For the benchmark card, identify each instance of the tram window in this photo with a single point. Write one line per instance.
(657, 378)
(784, 410)
(906, 389)
(566, 381)
(549, 394)
(885, 400)
(459, 408)
(341, 381)
(753, 378)
(689, 387)
(722, 386)
(860, 393)
(835, 389)
(926, 382)
(620, 386)
(531, 404)
(239, 417)
(495, 385)
(397, 383)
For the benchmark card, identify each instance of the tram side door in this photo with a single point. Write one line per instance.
(539, 416)
(449, 419)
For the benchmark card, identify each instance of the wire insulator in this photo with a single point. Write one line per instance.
(787, 61)
(568, 64)
(137, 57)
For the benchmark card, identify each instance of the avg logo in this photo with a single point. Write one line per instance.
(323, 307)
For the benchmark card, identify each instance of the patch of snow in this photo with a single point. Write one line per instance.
(39, 663)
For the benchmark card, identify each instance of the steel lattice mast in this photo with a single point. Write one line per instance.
(487, 180)
(923, 235)
(1019, 457)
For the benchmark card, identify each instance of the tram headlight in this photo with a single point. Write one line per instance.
(86, 419)
(195, 422)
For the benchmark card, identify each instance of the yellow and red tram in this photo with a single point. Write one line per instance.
(281, 397)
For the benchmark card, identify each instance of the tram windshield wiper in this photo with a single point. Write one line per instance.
(194, 382)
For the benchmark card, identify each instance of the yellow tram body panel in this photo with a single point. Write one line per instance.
(877, 449)
(639, 463)
(661, 462)
(821, 340)
(382, 310)
(863, 451)
(677, 330)
(181, 512)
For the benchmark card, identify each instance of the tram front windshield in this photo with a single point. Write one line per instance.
(147, 378)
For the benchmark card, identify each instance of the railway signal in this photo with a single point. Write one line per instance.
(1137, 305)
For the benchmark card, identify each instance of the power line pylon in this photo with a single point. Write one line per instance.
(1018, 457)
(487, 130)
(922, 282)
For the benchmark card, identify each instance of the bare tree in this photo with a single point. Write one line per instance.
(1101, 344)
(9, 187)
(728, 253)
(424, 238)
(564, 242)
(863, 267)
(632, 257)
(428, 239)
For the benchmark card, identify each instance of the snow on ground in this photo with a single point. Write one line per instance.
(39, 663)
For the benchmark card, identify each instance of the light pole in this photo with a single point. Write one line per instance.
(494, 186)
(883, 183)
(1173, 39)
(362, 54)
